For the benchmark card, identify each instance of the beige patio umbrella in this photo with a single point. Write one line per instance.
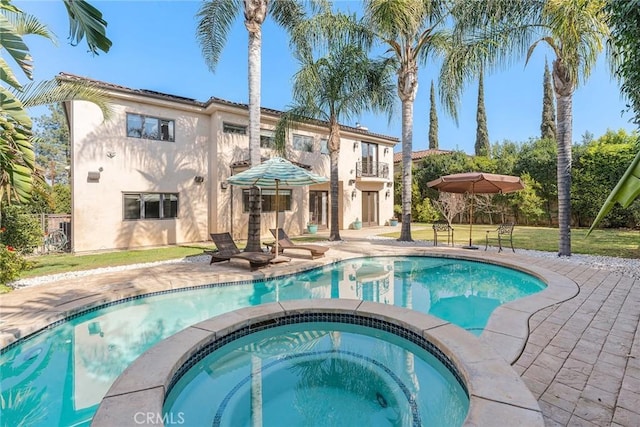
(476, 183)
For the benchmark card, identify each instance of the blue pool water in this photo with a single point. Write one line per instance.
(59, 376)
(333, 374)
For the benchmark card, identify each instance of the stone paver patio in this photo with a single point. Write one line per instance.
(581, 359)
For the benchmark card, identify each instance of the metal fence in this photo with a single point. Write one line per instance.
(51, 222)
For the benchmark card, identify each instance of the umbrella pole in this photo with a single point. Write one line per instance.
(277, 258)
(471, 221)
(277, 212)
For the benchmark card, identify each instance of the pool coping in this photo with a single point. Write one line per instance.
(496, 391)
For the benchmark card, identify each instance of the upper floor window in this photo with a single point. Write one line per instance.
(147, 127)
(303, 143)
(233, 128)
(150, 205)
(267, 139)
(269, 200)
(324, 146)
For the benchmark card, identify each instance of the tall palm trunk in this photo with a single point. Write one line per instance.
(407, 89)
(564, 88)
(254, 13)
(334, 154)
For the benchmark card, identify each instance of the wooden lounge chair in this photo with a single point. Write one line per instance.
(284, 242)
(227, 250)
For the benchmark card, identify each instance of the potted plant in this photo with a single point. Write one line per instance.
(357, 224)
(393, 221)
(312, 227)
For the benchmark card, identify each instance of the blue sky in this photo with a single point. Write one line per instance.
(154, 47)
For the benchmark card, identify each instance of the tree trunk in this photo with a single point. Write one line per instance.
(334, 153)
(255, 12)
(564, 98)
(407, 88)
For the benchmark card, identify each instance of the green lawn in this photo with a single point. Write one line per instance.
(611, 242)
(62, 263)
(618, 243)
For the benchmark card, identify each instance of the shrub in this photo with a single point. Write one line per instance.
(11, 264)
(21, 230)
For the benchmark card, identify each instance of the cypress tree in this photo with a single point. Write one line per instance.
(433, 121)
(548, 125)
(482, 146)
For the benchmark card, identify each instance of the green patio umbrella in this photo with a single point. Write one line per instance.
(275, 172)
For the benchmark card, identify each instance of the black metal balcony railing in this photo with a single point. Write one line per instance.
(369, 169)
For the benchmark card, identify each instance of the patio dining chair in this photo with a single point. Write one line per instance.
(442, 227)
(503, 232)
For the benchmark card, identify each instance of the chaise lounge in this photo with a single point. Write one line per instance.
(227, 250)
(284, 242)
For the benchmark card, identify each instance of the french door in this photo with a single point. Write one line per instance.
(319, 208)
(369, 208)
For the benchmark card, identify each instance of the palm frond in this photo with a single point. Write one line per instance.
(26, 24)
(287, 13)
(215, 19)
(59, 90)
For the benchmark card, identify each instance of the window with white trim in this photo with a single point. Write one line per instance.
(269, 200)
(303, 143)
(147, 127)
(149, 206)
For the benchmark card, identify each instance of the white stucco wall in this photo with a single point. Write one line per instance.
(136, 165)
(201, 148)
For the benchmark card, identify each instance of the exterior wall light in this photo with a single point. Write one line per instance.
(354, 193)
(224, 185)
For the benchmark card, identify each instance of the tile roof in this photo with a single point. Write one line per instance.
(417, 155)
(212, 100)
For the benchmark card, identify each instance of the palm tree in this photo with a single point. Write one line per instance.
(337, 86)
(413, 31)
(574, 30)
(17, 159)
(215, 20)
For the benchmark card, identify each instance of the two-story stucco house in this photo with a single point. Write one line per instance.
(156, 172)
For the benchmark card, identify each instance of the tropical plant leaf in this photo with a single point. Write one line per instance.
(86, 20)
(12, 107)
(7, 75)
(11, 41)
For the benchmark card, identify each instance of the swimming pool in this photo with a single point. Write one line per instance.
(59, 376)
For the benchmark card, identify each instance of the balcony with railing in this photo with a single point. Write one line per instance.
(371, 169)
